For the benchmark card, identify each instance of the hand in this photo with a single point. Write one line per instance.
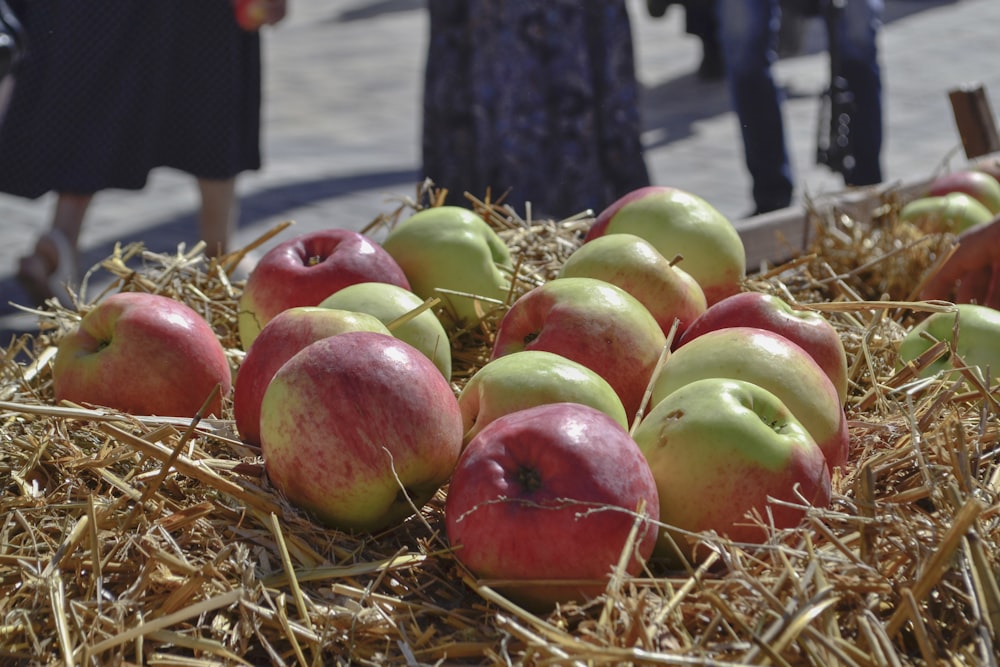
(253, 14)
(972, 273)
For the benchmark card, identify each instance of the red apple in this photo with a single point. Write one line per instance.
(978, 184)
(254, 14)
(359, 428)
(806, 328)
(308, 268)
(681, 223)
(287, 333)
(635, 265)
(593, 323)
(773, 362)
(143, 354)
(544, 499)
(250, 14)
(721, 448)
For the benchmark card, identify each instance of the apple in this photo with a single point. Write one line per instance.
(720, 448)
(978, 184)
(544, 500)
(359, 428)
(288, 332)
(677, 222)
(977, 341)
(592, 322)
(528, 378)
(773, 362)
(388, 303)
(634, 264)
(953, 213)
(808, 329)
(308, 268)
(450, 249)
(143, 354)
(250, 14)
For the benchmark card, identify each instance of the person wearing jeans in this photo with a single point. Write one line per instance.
(748, 32)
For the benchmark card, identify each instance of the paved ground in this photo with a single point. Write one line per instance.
(342, 113)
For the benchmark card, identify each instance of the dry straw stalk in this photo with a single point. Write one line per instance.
(127, 540)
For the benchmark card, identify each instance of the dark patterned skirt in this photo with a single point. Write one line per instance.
(538, 97)
(111, 89)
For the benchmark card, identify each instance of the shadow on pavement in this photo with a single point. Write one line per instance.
(164, 236)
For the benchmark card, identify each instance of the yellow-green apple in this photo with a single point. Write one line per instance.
(975, 337)
(773, 362)
(634, 264)
(953, 213)
(359, 428)
(143, 354)
(721, 448)
(976, 183)
(543, 499)
(389, 303)
(528, 378)
(450, 249)
(592, 322)
(807, 328)
(308, 268)
(678, 222)
(288, 332)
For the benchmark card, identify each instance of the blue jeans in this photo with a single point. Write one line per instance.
(748, 32)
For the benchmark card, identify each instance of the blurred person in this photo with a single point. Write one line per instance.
(107, 93)
(749, 32)
(700, 21)
(537, 98)
(972, 273)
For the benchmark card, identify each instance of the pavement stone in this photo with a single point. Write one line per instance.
(342, 124)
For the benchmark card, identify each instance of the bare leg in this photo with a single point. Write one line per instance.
(68, 218)
(217, 218)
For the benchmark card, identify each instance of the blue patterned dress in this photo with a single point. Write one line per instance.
(538, 97)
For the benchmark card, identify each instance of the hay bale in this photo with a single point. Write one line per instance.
(139, 540)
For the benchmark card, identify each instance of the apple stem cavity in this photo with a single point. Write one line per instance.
(529, 478)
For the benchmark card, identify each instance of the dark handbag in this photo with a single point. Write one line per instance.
(13, 41)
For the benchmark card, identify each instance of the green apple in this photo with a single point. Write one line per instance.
(388, 303)
(773, 362)
(720, 448)
(634, 264)
(953, 212)
(531, 377)
(681, 223)
(450, 249)
(977, 341)
(592, 322)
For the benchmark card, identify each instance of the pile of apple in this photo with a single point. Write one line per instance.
(629, 404)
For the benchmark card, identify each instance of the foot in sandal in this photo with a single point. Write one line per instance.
(50, 270)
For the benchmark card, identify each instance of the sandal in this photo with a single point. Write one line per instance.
(50, 272)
